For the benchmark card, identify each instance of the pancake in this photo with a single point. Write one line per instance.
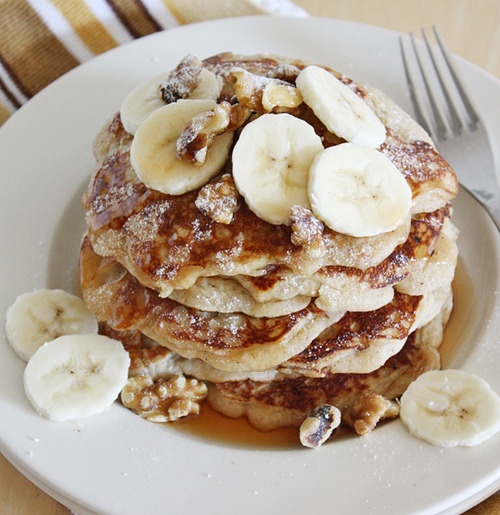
(277, 319)
(361, 342)
(225, 295)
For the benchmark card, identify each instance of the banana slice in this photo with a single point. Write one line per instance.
(358, 191)
(209, 87)
(146, 98)
(153, 152)
(76, 376)
(140, 103)
(342, 111)
(451, 407)
(271, 161)
(42, 315)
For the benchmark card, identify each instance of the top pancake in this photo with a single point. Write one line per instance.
(167, 243)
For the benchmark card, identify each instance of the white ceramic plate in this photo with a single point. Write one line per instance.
(118, 463)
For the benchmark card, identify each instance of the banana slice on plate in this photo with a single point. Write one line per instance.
(153, 153)
(271, 161)
(42, 315)
(339, 108)
(358, 191)
(76, 376)
(146, 98)
(451, 407)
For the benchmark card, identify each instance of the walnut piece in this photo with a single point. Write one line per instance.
(193, 143)
(307, 231)
(319, 425)
(368, 410)
(163, 400)
(183, 80)
(195, 140)
(264, 94)
(219, 200)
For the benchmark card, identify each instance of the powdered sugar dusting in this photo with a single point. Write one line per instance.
(146, 223)
(114, 195)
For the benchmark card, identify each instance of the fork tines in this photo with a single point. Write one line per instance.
(438, 77)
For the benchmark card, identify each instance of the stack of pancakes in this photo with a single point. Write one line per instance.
(273, 328)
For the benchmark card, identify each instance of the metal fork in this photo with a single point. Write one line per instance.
(445, 111)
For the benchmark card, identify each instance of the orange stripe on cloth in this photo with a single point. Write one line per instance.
(90, 30)
(192, 11)
(4, 114)
(33, 56)
(135, 17)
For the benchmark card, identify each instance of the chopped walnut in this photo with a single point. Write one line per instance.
(264, 94)
(368, 410)
(181, 81)
(238, 115)
(319, 425)
(196, 138)
(307, 231)
(163, 400)
(219, 200)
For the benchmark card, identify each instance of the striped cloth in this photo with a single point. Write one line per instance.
(42, 39)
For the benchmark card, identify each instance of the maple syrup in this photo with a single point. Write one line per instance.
(459, 333)
(210, 425)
